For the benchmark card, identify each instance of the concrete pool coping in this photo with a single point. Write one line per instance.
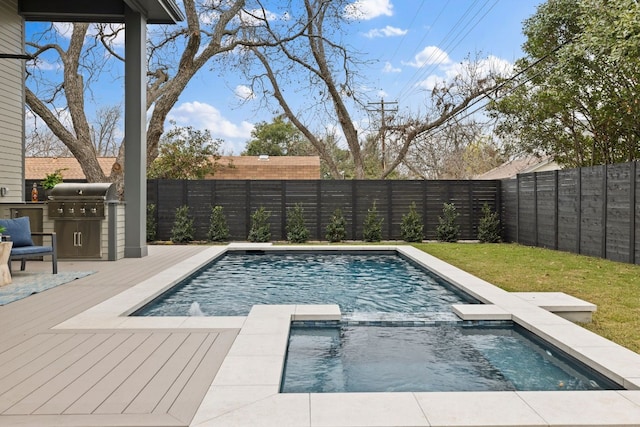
(245, 390)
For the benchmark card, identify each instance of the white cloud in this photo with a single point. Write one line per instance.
(202, 116)
(430, 82)
(257, 17)
(244, 92)
(64, 29)
(368, 9)
(388, 68)
(387, 31)
(116, 30)
(430, 55)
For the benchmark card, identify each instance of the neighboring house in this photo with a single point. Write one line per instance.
(267, 167)
(229, 167)
(525, 164)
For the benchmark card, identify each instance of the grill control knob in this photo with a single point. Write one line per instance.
(93, 210)
(71, 210)
(83, 211)
(60, 210)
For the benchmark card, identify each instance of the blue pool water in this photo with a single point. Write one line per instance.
(433, 358)
(358, 283)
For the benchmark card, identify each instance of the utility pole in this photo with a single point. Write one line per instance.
(382, 107)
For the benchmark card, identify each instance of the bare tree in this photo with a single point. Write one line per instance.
(105, 132)
(302, 50)
(211, 28)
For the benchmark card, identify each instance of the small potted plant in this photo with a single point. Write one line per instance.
(2, 230)
(51, 180)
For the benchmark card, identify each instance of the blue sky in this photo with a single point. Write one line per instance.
(410, 43)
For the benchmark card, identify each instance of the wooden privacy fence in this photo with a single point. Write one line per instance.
(591, 211)
(319, 199)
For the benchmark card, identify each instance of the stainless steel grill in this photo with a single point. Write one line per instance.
(80, 200)
(78, 211)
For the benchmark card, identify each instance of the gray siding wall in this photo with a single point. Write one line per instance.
(11, 103)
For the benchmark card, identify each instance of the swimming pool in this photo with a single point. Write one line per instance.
(448, 357)
(247, 385)
(379, 282)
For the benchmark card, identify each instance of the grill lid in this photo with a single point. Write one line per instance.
(79, 191)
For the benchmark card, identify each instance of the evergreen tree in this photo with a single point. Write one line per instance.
(297, 232)
(337, 227)
(489, 226)
(152, 227)
(182, 231)
(411, 228)
(260, 230)
(447, 230)
(218, 228)
(372, 229)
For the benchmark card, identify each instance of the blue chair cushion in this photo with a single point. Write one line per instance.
(31, 250)
(19, 229)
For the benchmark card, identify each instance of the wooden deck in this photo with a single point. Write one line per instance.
(102, 377)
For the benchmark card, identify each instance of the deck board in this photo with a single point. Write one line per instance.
(51, 377)
(58, 403)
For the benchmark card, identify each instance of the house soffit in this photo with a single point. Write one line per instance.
(109, 11)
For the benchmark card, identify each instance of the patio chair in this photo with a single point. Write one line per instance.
(19, 230)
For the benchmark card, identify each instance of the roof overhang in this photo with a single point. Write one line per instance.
(110, 11)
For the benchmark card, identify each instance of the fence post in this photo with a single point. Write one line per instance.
(579, 211)
(535, 207)
(283, 209)
(632, 211)
(389, 209)
(605, 203)
(319, 210)
(518, 208)
(354, 210)
(247, 192)
(556, 213)
(425, 218)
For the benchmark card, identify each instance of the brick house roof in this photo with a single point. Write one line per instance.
(38, 167)
(229, 167)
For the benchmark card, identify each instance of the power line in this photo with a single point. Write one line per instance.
(460, 30)
(500, 86)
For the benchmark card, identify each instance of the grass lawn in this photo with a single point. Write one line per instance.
(614, 287)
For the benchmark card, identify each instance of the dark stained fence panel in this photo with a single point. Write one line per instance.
(568, 210)
(592, 211)
(592, 215)
(509, 210)
(404, 193)
(546, 210)
(319, 199)
(618, 220)
(336, 195)
(269, 195)
(527, 210)
(200, 198)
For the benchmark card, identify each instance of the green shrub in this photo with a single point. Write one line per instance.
(337, 227)
(260, 230)
(182, 231)
(297, 232)
(447, 230)
(218, 228)
(489, 226)
(152, 226)
(411, 228)
(372, 227)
